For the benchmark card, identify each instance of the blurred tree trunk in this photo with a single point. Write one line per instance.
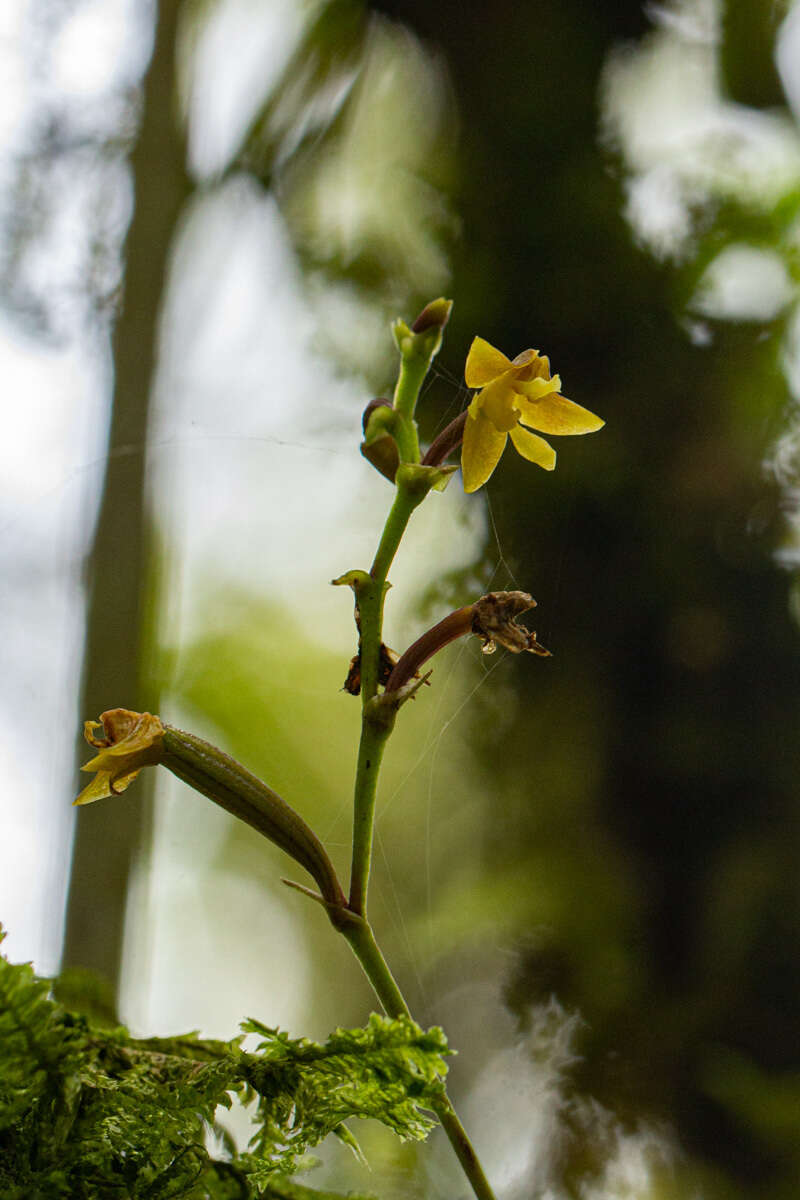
(107, 836)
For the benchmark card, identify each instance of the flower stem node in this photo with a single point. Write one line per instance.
(381, 710)
(495, 621)
(408, 691)
(415, 480)
(379, 714)
(340, 915)
(358, 580)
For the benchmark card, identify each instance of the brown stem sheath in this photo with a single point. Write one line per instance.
(492, 618)
(448, 440)
(455, 625)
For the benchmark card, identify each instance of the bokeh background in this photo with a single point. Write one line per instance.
(587, 867)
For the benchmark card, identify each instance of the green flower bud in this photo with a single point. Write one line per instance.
(379, 446)
(423, 338)
(436, 314)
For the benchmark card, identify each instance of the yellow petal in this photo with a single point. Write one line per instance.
(480, 450)
(98, 789)
(104, 784)
(119, 783)
(484, 363)
(556, 414)
(534, 448)
(498, 403)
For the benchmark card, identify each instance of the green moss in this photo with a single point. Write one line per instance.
(88, 1111)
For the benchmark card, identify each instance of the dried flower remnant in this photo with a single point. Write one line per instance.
(387, 662)
(493, 618)
(495, 621)
(514, 394)
(130, 741)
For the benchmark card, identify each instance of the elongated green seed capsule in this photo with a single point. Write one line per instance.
(227, 783)
(133, 740)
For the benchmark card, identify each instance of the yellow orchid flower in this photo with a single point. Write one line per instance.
(514, 394)
(132, 740)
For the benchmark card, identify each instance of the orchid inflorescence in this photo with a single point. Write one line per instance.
(512, 397)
